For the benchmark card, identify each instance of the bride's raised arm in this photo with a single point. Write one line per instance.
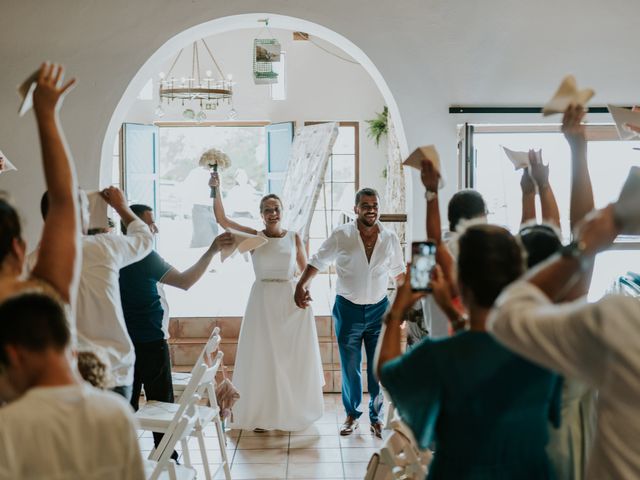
(218, 209)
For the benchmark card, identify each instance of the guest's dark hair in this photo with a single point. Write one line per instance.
(34, 321)
(138, 209)
(465, 205)
(540, 242)
(271, 196)
(10, 228)
(366, 192)
(490, 258)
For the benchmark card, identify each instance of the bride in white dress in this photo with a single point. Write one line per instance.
(278, 370)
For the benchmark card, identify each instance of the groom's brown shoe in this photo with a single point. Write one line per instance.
(376, 429)
(349, 426)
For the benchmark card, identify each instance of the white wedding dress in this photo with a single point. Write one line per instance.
(278, 370)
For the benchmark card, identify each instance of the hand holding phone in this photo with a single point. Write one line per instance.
(423, 261)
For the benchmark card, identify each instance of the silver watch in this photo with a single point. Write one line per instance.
(429, 195)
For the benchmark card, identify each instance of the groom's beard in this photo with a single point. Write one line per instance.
(368, 222)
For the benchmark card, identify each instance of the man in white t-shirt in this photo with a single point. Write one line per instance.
(99, 317)
(59, 427)
(366, 255)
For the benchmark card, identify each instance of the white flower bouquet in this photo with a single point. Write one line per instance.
(214, 159)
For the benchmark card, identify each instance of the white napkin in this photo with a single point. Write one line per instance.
(98, 211)
(627, 208)
(25, 92)
(520, 160)
(422, 153)
(567, 94)
(622, 116)
(8, 166)
(243, 243)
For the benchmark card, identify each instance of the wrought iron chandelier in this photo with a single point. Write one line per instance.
(209, 91)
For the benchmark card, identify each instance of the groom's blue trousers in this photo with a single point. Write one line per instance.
(357, 324)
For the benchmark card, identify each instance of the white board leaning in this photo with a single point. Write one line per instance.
(310, 152)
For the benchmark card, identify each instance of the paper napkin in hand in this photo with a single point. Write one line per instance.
(566, 95)
(243, 243)
(6, 164)
(627, 208)
(520, 160)
(622, 117)
(98, 211)
(25, 91)
(427, 152)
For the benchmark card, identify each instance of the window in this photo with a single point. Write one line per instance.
(340, 184)
(609, 161)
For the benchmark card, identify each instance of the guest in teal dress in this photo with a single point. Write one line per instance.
(486, 409)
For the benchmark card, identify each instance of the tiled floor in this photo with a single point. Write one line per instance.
(316, 453)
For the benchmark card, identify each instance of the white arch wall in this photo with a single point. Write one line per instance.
(431, 54)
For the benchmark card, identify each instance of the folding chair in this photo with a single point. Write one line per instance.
(162, 467)
(157, 416)
(181, 379)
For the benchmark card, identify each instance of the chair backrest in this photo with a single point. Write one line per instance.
(184, 425)
(208, 379)
(206, 355)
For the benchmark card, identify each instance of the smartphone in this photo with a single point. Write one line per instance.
(423, 260)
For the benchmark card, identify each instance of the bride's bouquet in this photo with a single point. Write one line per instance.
(213, 159)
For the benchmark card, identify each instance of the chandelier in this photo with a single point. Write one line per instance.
(207, 90)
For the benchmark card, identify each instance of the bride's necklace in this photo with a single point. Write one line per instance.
(284, 232)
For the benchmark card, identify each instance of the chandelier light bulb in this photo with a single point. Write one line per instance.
(161, 75)
(233, 114)
(189, 114)
(208, 73)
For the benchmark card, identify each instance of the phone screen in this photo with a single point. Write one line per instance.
(423, 259)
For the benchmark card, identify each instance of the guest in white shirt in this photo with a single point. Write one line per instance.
(365, 254)
(60, 426)
(598, 343)
(99, 317)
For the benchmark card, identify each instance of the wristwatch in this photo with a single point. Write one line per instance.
(430, 195)
(576, 250)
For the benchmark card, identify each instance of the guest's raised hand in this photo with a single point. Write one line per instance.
(405, 296)
(114, 197)
(526, 183)
(50, 90)
(572, 126)
(539, 171)
(440, 288)
(429, 175)
(226, 240)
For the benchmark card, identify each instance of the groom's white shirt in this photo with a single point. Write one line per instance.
(360, 281)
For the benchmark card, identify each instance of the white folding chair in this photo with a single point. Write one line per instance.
(162, 467)
(180, 380)
(399, 457)
(157, 416)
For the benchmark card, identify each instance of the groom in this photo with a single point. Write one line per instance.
(365, 254)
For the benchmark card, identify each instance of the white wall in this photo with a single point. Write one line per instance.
(319, 87)
(431, 53)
